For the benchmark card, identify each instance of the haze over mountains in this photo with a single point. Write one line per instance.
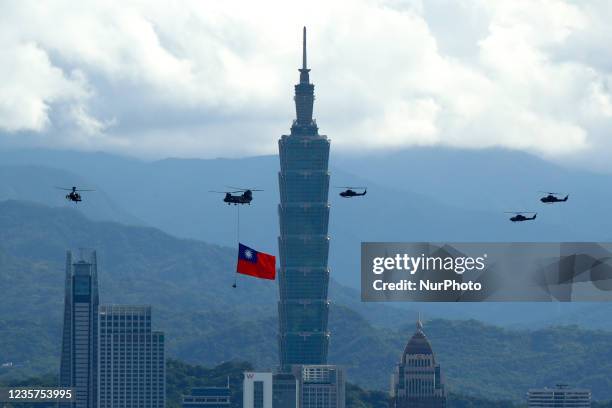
(419, 194)
(38, 184)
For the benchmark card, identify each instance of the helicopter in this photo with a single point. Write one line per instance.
(245, 197)
(73, 195)
(518, 216)
(553, 198)
(349, 192)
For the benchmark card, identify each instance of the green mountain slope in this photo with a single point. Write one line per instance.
(187, 282)
(207, 322)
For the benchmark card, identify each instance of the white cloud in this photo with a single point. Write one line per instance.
(30, 85)
(210, 78)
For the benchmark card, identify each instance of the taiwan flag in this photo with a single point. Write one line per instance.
(253, 263)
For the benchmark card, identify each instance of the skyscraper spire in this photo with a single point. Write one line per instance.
(304, 98)
(304, 64)
(304, 78)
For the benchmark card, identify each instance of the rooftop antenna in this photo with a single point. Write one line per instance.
(304, 64)
(304, 70)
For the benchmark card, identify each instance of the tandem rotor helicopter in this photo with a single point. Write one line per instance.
(349, 192)
(519, 216)
(73, 195)
(245, 197)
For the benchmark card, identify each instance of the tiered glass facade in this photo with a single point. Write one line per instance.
(79, 367)
(303, 241)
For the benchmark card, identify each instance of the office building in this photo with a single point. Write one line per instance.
(562, 396)
(78, 365)
(417, 381)
(320, 386)
(303, 242)
(257, 390)
(207, 397)
(132, 371)
(306, 386)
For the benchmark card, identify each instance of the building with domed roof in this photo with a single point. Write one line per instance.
(417, 381)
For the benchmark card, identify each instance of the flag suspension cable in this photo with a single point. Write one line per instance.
(238, 240)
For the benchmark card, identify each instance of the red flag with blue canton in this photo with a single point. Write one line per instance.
(257, 264)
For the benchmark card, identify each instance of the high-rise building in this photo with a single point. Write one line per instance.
(257, 390)
(303, 241)
(320, 386)
(208, 397)
(417, 381)
(562, 396)
(132, 370)
(78, 366)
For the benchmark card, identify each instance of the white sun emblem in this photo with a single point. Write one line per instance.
(248, 253)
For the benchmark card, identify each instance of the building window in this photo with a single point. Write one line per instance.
(258, 394)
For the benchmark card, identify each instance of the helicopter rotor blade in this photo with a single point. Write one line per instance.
(349, 187)
(225, 192)
(242, 189)
(73, 189)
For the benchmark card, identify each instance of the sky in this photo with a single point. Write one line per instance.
(199, 78)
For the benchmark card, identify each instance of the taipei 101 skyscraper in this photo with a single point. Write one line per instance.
(303, 241)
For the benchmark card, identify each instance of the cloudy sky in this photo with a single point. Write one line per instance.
(197, 78)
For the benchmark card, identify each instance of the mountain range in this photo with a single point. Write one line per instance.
(206, 321)
(419, 194)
